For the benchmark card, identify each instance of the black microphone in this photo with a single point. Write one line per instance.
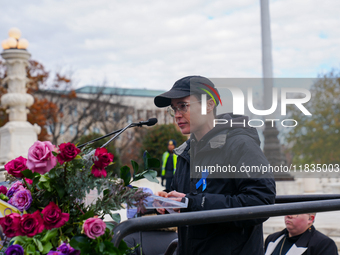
(149, 122)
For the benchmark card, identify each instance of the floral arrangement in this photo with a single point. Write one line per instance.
(48, 190)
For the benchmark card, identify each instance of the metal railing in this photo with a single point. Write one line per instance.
(285, 205)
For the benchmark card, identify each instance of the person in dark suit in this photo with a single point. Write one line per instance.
(300, 238)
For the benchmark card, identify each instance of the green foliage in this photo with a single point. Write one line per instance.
(67, 186)
(39, 244)
(114, 168)
(316, 138)
(156, 139)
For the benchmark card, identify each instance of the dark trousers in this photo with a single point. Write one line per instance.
(168, 183)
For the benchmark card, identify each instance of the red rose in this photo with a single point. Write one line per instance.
(29, 181)
(97, 172)
(10, 224)
(102, 158)
(3, 189)
(68, 151)
(53, 217)
(16, 166)
(31, 224)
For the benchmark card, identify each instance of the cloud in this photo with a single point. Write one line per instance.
(151, 44)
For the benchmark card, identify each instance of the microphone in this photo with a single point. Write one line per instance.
(149, 122)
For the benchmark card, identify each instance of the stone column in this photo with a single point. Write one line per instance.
(17, 135)
(272, 148)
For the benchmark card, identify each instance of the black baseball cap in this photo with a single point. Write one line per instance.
(182, 88)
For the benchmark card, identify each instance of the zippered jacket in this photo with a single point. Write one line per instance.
(225, 145)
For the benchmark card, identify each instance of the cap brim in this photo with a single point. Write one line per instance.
(164, 99)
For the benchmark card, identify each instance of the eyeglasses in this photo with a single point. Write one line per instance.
(181, 108)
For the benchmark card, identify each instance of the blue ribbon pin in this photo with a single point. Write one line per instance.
(203, 180)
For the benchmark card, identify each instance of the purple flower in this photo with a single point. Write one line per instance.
(21, 199)
(14, 188)
(15, 249)
(66, 249)
(53, 253)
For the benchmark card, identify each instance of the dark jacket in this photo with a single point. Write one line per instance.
(223, 145)
(312, 242)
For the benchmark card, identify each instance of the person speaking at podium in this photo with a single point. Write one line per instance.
(192, 101)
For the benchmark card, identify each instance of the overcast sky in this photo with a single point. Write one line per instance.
(151, 44)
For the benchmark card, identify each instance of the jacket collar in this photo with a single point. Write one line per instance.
(298, 248)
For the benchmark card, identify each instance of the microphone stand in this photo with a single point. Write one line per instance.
(99, 138)
(119, 132)
(150, 122)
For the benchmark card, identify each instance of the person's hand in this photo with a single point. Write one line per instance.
(177, 196)
(161, 194)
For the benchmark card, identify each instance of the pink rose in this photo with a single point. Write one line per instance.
(68, 151)
(16, 166)
(40, 158)
(10, 224)
(3, 189)
(94, 227)
(53, 217)
(31, 224)
(97, 172)
(102, 158)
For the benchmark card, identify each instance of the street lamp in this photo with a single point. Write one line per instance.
(14, 41)
(17, 135)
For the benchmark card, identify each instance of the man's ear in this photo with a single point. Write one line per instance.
(312, 218)
(210, 105)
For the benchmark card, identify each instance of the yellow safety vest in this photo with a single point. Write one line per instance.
(165, 159)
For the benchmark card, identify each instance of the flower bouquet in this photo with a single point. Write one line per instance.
(44, 210)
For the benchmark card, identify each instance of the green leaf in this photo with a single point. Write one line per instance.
(47, 247)
(31, 249)
(115, 217)
(49, 235)
(68, 231)
(153, 162)
(134, 166)
(54, 153)
(151, 176)
(139, 176)
(78, 241)
(83, 244)
(111, 249)
(110, 226)
(44, 183)
(125, 175)
(87, 215)
(35, 181)
(146, 156)
(29, 174)
(38, 244)
(123, 247)
(101, 247)
(52, 173)
(78, 157)
(106, 192)
(20, 239)
(4, 197)
(61, 190)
